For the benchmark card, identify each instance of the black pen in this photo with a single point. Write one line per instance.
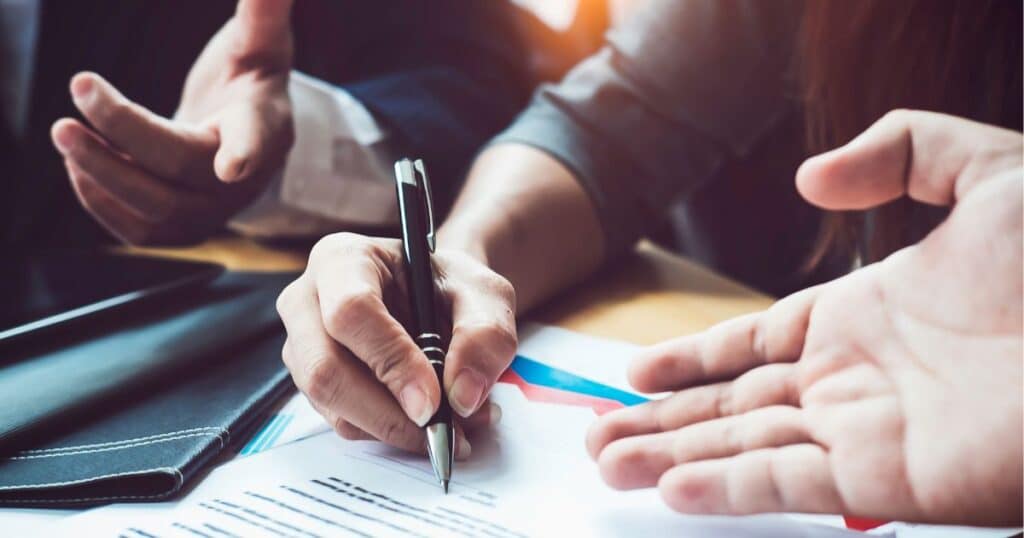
(416, 211)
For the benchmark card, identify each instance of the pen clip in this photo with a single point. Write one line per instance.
(422, 170)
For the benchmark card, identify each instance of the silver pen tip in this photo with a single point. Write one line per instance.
(444, 486)
(440, 450)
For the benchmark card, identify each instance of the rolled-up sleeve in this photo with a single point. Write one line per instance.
(677, 91)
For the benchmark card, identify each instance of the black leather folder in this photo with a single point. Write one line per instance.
(134, 408)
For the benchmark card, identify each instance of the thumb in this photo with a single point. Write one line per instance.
(254, 137)
(934, 158)
(264, 28)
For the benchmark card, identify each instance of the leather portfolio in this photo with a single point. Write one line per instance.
(135, 406)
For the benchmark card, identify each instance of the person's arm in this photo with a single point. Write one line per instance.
(893, 392)
(574, 180)
(525, 216)
(596, 160)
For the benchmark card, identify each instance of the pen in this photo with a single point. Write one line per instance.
(416, 211)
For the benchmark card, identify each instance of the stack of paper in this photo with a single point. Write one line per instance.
(528, 476)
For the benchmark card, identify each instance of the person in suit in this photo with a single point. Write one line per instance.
(153, 163)
(887, 386)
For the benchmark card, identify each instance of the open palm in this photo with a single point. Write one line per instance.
(150, 179)
(893, 392)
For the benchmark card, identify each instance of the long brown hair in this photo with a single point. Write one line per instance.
(863, 58)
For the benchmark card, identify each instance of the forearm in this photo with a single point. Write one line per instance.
(524, 215)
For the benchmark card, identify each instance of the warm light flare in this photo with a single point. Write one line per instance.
(560, 14)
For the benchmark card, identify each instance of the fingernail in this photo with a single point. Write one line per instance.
(416, 405)
(82, 88)
(494, 414)
(466, 392)
(463, 449)
(228, 167)
(62, 138)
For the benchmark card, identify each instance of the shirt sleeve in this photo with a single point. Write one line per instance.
(678, 89)
(336, 174)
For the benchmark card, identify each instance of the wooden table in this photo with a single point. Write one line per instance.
(650, 296)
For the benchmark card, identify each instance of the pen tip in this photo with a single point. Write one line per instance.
(444, 486)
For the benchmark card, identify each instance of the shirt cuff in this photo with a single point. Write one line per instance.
(336, 174)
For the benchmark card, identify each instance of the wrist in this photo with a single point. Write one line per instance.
(455, 236)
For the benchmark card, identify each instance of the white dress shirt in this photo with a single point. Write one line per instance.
(338, 174)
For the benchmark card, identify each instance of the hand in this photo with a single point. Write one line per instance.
(148, 179)
(350, 354)
(893, 392)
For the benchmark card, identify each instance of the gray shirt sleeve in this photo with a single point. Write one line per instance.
(682, 87)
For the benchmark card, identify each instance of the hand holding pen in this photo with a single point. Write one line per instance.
(416, 212)
(350, 352)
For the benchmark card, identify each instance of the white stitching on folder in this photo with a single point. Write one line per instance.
(83, 499)
(180, 481)
(120, 447)
(218, 430)
(177, 473)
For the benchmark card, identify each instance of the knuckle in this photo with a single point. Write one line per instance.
(350, 310)
(499, 286)
(286, 352)
(390, 365)
(666, 414)
(320, 380)
(390, 430)
(735, 438)
(337, 242)
(682, 449)
(898, 116)
(346, 429)
(113, 114)
(759, 338)
(287, 298)
(724, 405)
(490, 342)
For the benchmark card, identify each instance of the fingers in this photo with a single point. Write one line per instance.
(158, 145)
(933, 158)
(487, 416)
(121, 222)
(483, 341)
(265, 31)
(793, 478)
(253, 138)
(338, 385)
(350, 273)
(727, 349)
(129, 202)
(638, 462)
(770, 385)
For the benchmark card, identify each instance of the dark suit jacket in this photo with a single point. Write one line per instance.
(443, 76)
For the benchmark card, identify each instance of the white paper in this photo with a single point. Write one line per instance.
(295, 420)
(528, 477)
(597, 359)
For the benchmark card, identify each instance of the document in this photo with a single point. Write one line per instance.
(529, 476)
